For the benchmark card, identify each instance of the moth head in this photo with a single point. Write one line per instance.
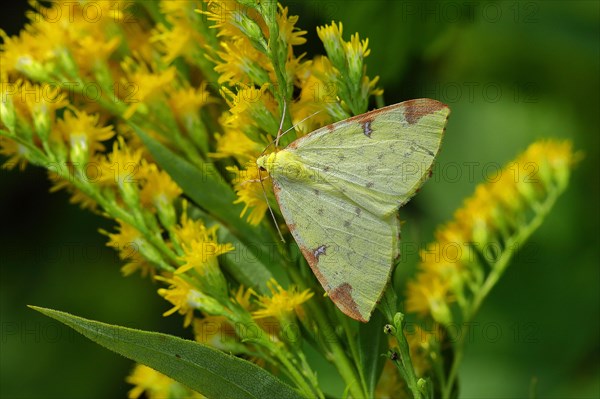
(265, 162)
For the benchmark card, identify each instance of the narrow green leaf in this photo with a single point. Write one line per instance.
(203, 369)
(371, 345)
(243, 265)
(208, 190)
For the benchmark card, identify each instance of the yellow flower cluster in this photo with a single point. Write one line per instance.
(156, 385)
(483, 229)
(259, 72)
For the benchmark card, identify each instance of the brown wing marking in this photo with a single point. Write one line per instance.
(416, 109)
(342, 297)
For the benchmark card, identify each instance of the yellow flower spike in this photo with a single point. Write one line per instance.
(150, 381)
(282, 304)
(331, 36)
(242, 297)
(352, 84)
(201, 255)
(190, 231)
(487, 229)
(24, 54)
(356, 51)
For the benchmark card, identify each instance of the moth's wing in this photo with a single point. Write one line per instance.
(378, 159)
(349, 249)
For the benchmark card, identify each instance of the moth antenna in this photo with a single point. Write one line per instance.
(269, 206)
(276, 142)
(279, 134)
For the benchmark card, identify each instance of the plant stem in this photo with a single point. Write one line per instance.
(354, 350)
(308, 390)
(343, 364)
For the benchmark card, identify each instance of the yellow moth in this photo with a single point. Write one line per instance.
(339, 189)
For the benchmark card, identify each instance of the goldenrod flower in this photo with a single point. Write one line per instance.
(201, 253)
(239, 62)
(35, 106)
(287, 28)
(174, 41)
(234, 143)
(60, 36)
(17, 154)
(352, 84)
(242, 297)
(132, 246)
(158, 188)
(219, 333)
(282, 303)
(250, 191)
(193, 235)
(429, 294)
(156, 385)
(178, 294)
(82, 133)
(121, 166)
(142, 84)
(187, 101)
(331, 36)
(186, 298)
(252, 111)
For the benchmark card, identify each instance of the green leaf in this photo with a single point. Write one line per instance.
(203, 369)
(208, 190)
(243, 265)
(371, 345)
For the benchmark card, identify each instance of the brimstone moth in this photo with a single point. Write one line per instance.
(339, 189)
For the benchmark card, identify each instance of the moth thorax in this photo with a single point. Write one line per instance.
(266, 162)
(287, 165)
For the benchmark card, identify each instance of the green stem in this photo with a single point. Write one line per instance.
(541, 211)
(404, 364)
(343, 364)
(308, 390)
(354, 350)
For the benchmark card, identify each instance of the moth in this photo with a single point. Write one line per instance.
(339, 189)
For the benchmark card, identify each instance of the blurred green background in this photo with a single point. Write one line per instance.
(512, 72)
